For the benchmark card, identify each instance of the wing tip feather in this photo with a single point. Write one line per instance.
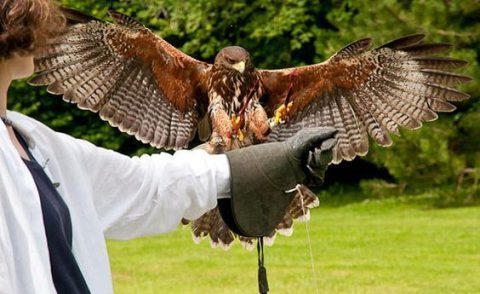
(404, 41)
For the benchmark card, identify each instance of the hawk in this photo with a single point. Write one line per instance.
(143, 85)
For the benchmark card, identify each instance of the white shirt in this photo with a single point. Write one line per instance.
(109, 195)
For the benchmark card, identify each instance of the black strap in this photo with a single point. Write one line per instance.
(6, 120)
(66, 274)
(262, 271)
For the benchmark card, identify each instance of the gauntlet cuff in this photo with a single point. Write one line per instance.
(259, 180)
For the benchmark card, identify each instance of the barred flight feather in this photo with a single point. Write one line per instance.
(440, 106)
(96, 75)
(380, 110)
(350, 126)
(404, 41)
(70, 67)
(61, 58)
(126, 20)
(342, 137)
(400, 110)
(420, 50)
(408, 103)
(436, 63)
(352, 49)
(356, 130)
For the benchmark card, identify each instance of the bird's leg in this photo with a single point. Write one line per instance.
(258, 121)
(237, 127)
(223, 126)
(221, 123)
(281, 113)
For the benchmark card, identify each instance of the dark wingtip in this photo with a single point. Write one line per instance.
(365, 41)
(117, 15)
(427, 49)
(125, 20)
(35, 81)
(112, 12)
(74, 16)
(405, 41)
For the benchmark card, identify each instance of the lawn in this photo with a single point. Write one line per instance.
(379, 246)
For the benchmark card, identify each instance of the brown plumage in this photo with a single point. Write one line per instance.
(144, 86)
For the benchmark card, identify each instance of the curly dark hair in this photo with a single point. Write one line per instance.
(26, 24)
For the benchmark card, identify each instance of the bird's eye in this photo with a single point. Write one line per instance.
(229, 60)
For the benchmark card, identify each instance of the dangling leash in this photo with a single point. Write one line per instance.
(312, 260)
(262, 271)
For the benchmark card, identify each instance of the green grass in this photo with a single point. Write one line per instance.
(380, 246)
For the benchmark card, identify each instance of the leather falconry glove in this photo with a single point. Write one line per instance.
(318, 162)
(262, 174)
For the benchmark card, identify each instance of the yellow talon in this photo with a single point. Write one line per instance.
(240, 135)
(289, 106)
(235, 121)
(236, 130)
(281, 113)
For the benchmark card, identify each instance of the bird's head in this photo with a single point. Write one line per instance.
(233, 58)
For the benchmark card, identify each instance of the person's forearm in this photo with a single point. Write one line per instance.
(152, 193)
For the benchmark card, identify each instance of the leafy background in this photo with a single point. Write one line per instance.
(443, 156)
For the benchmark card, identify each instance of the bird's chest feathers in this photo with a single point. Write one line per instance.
(237, 117)
(233, 91)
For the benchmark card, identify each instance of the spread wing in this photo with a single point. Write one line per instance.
(135, 80)
(365, 92)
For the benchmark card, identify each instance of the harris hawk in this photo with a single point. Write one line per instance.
(143, 85)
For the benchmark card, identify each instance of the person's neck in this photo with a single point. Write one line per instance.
(5, 81)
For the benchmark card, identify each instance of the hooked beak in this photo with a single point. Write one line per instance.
(240, 66)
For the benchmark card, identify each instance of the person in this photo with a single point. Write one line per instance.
(60, 197)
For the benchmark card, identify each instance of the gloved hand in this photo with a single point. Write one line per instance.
(318, 161)
(261, 175)
(312, 149)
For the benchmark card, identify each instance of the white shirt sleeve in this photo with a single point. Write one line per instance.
(6, 254)
(151, 194)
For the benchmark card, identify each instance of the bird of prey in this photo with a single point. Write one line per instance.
(143, 85)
